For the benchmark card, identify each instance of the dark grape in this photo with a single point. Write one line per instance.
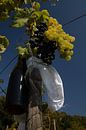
(32, 43)
(40, 35)
(52, 57)
(36, 32)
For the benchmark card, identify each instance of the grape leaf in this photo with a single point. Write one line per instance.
(22, 51)
(4, 42)
(19, 22)
(2, 49)
(28, 1)
(4, 16)
(36, 6)
(45, 12)
(36, 15)
(21, 13)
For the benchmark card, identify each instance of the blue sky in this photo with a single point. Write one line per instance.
(73, 73)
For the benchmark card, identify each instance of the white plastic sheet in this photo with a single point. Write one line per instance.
(52, 82)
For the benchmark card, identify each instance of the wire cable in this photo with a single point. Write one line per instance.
(75, 19)
(8, 64)
(2, 90)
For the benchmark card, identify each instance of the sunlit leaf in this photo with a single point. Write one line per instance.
(19, 22)
(36, 15)
(4, 42)
(23, 51)
(36, 6)
(21, 13)
(2, 49)
(27, 1)
(45, 18)
(45, 12)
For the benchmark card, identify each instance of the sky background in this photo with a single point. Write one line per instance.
(73, 73)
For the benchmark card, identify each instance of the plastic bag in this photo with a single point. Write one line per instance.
(52, 82)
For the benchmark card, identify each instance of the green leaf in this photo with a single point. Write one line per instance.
(36, 5)
(5, 1)
(4, 16)
(22, 51)
(45, 12)
(45, 18)
(21, 13)
(36, 15)
(19, 22)
(2, 49)
(4, 42)
(28, 1)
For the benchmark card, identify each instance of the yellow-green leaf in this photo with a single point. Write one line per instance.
(27, 1)
(45, 12)
(19, 22)
(36, 6)
(22, 51)
(2, 49)
(4, 42)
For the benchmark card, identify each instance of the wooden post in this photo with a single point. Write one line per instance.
(34, 113)
(34, 118)
(54, 122)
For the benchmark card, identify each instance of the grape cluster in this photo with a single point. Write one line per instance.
(62, 39)
(47, 35)
(46, 51)
(45, 48)
(65, 49)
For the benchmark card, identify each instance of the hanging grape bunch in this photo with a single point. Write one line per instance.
(45, 48)
(46, 35)
(63, 41)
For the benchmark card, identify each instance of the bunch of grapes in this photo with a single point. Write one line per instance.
(46, 51)
(47, 35)
(63, 40)
(45, 48)
(65, 48)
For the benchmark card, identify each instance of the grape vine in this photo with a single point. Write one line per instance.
(45, 33)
